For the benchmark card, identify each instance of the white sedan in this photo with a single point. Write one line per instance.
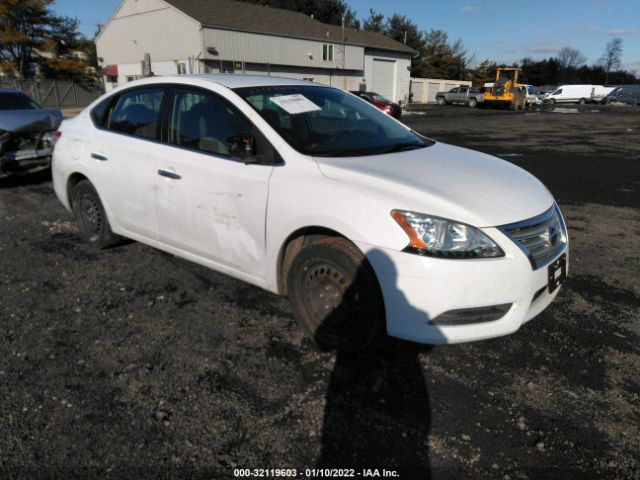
(309, 191)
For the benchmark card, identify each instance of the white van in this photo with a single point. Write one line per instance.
(578, 94)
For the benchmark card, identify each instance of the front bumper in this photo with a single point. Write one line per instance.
(418, 289)
(25, 161)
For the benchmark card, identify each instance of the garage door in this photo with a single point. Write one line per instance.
(383, 81)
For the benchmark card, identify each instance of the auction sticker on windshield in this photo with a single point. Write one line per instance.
(296, 103)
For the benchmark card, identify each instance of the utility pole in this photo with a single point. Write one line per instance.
(344, 57)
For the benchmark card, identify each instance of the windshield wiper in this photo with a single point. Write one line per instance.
(398, 147)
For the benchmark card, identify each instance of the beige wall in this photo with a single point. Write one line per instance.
(253, 47)
(148, 26)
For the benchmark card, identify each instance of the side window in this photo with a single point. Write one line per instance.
(557, 92)
(463, 90)
(204, 121)
(100, 112)
(137, 112)
(454, 90)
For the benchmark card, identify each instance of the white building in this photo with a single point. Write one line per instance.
(200, 36)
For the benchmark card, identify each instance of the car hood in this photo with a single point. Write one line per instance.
(445, 181)
(36, 120)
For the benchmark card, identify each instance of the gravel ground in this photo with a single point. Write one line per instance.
(131, 363)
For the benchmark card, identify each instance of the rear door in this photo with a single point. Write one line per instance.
(210, 203)
(122, 153)
(462, 94)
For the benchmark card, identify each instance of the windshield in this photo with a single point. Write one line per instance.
(323, 121)
(380, 98)
(16, 101)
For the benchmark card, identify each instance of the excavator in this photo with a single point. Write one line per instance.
(506, 91)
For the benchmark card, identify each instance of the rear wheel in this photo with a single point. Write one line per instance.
(441, 101)
(90, 216)
(582, 101)
(335, 295)
(473, 103)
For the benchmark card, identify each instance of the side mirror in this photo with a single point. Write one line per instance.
(242, 146)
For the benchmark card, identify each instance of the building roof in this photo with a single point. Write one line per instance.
(247, 17)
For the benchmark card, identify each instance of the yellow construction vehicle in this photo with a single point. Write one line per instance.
(506, 91)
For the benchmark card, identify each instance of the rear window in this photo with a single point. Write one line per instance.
(17, 101)
(136, 112)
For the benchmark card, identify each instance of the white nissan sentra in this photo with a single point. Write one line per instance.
(309, 191)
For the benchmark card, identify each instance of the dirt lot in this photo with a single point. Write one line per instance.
(130, 363)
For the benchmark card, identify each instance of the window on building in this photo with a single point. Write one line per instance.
(226, 67)
(181, 68)
(136, 112)
(327, 53)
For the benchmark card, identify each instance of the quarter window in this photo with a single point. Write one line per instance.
(203, 121)
(137, 112)
(327, 53)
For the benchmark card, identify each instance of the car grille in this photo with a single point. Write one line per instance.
(541, 238)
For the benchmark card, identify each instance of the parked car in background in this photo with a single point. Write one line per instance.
(305, 190)
(534, 97)
(629, 94)
(25, 133)
(577, 94)
(470, 96)
(380, 102)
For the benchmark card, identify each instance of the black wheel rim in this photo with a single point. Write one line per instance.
(331, 300)
(90, 216)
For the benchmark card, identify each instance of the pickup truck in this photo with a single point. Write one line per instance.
(468, 95)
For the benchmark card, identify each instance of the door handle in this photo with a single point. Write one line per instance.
(168, 174)
(98, 156)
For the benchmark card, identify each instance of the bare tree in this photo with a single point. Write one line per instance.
(570, 57)
(612, 57)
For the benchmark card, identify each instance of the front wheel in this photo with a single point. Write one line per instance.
(552, 101)
(582, 101)
(335, 295)
(90, 216)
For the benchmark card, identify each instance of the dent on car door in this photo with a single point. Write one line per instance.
(209, 202)
(122, 154)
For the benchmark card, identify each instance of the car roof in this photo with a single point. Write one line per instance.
(10, 90)
(227, 80)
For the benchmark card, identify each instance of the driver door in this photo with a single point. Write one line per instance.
(209, 203)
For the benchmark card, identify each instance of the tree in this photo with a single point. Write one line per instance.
(569, 57)
(483, 73)
(24, 27)
(612, 56)
(442, 59)
(31, 34)
(403, 30)
(375, 22)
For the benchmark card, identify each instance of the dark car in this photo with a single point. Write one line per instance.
(380, 102)
(629, 94)
(25, 133)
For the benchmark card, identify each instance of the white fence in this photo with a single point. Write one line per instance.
(423, 90)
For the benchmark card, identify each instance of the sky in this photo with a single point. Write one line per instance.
(501, 30)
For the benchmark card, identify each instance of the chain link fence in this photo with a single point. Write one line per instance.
(56, 93)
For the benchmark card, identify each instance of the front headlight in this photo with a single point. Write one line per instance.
(444, 238)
